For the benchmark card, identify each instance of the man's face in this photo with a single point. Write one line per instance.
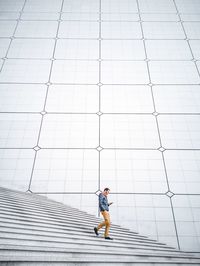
(106, 192)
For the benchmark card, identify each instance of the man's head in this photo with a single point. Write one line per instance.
(106, 191)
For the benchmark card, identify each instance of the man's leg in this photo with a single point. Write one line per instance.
(106, 217)
(101, 224)
(96, 229)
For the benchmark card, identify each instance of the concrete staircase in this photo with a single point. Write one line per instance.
(35, 230)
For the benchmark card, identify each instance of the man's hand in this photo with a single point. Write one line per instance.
(110, 203)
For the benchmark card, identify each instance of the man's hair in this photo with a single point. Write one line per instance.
(106, 189)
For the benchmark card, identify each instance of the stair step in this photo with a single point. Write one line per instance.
(55, 243)
(81, 218)
(55, 234)
(79, 226)
(71, 218)
(82, 237)
(41, 204)
(65, 245)
(81, 257)
(20, 249)
(87, 232)
(55, 212)
(96, 219)
(91, 233)
(43, 208)
(63, 207)
(38, 250)
(90, 249)
(96, 263)
(35, 230)
(39, 201)
(64, 239)
(70, 244)
(67, 239)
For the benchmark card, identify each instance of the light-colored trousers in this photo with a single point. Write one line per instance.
(105, 223)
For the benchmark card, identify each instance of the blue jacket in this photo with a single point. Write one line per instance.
(103, 203)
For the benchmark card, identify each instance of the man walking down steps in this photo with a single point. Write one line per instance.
(104, 209)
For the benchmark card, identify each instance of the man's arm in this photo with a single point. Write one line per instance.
(101, 202)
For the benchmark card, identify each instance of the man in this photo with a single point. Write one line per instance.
(104, 209)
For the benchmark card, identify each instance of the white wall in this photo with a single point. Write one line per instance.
(106, 93)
